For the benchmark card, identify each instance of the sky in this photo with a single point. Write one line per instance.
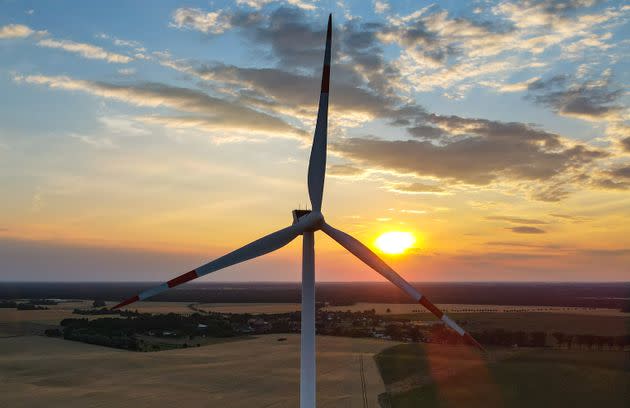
(141, 139)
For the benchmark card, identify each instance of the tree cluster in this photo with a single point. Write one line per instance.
(45, 302)
(33, 304)
(98, 303)
(591, 341)
(30, 306)
(105, 311)
(502, 337)
(122, 333)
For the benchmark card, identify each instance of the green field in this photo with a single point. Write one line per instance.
(535, 321)
(420, 375)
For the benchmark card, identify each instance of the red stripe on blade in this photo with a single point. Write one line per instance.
(126, 302)
(182, 279)
(437, 312)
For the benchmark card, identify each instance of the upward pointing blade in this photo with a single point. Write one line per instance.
(254, 249)
(317, 161)
(373, 261)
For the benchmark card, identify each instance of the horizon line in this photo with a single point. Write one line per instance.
(332, 282)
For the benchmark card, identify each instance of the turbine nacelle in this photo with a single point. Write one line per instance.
(309, 220)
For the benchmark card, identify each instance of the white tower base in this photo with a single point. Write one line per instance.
(308, 374)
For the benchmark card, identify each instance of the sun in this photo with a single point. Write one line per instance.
(395, 242)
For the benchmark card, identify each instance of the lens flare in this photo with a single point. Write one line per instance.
(395, 242)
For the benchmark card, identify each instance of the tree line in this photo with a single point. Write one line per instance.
(591, 341)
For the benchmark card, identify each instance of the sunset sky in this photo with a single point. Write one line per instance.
(141, 139)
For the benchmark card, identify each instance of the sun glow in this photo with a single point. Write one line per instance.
(394, 242)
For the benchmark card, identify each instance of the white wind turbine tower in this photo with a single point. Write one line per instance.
(305, 223)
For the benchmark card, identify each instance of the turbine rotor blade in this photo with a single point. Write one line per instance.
(365, 254)
(317, 161)
(262, 246)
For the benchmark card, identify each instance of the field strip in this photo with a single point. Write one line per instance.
(443, 373)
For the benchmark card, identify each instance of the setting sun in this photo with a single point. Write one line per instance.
(395, 242)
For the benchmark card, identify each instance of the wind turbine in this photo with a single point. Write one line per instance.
(305, 223)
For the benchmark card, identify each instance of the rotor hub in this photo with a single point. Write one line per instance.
(313, 220)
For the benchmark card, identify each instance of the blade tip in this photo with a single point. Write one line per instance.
(126, 302)
(474, 342)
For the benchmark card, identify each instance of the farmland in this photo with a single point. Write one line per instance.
(453, 376)
(260, 370)
(255, 372)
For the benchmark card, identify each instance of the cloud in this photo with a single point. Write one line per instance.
(196, 19)
(563, 250)
(127, 71)
(248, 128)
(15, 31)
(296, 43)
(617, 178)
(426, 132)
(527, 230)
(258, 4)
(612, 184)
(522, 245)
(573, 218)
(296, 94)
(127, 43)
(618, 134)
(292, 36)
(85, 50)
(343, 170)
(434, 38)
(605, 252)
(364, 83)
(148, 94)
(621, 172)
(411, 211)
(457, 53)
(510, 87)
(515, 220)
(535, 13)
(415, 188)
(589, 100)
(95, 141)
(381, 6)
(367, 87)
(481, 152)
(441, 51)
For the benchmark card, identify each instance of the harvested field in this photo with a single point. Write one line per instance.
(251, 373)
(253, 308)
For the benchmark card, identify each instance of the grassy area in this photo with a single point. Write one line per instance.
(535, 321)
(442, 376)
(150, 343)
